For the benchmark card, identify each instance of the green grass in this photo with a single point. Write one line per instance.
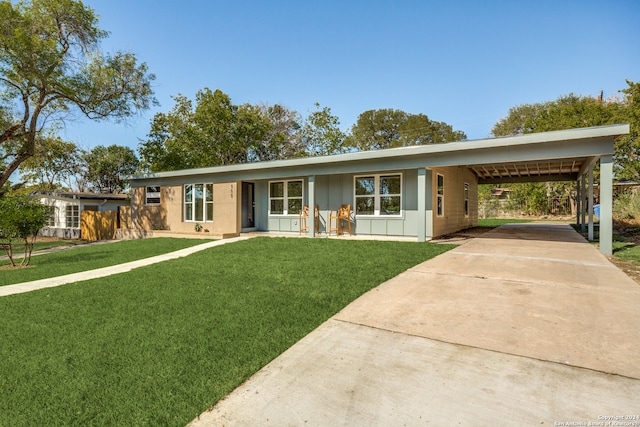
(159, 345)
(18, 247)
(626, 250)
(89, 257)
(496, 222)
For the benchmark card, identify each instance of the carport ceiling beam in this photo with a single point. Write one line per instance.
(532, 178)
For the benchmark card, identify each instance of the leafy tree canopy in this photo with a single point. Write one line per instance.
(574, 111)
(213, 132)
(53, 161)
(106, 165)
(51, 66)
(389, 128)
(321, 134)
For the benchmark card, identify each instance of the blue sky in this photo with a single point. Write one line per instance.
(462, 62)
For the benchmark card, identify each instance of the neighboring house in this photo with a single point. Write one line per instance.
(419, 191)
(66, 210)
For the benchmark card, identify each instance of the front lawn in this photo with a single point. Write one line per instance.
(159, 345)
(90, 257)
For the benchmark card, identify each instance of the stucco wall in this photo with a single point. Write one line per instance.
(170, 213)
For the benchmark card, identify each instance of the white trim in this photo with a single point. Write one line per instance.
(439, 206)
(285, 197)
(205, 202)
(74, 218)
(377, 211)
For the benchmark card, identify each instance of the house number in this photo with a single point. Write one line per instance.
(231, 191)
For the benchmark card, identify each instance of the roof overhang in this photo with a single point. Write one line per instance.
(548, 156)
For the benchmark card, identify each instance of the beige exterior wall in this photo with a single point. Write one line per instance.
(169, 214)
(453, 218)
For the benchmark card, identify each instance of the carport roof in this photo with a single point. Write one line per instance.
(547, 156)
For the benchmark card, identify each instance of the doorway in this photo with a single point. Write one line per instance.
(248, 205)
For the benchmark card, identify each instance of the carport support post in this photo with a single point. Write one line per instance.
(606, 205)
(578, 202)
(583, 198)
(312, 206)
(590, 203)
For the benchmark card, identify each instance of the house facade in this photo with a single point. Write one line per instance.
(418, 192)
(383, 202)
(66, 210)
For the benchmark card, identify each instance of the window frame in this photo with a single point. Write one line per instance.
(206, 205)
(378, 196)
(286, 198)
(466, 199)
(152, 195)
(439, 195)
(52, 221)
(74, 218)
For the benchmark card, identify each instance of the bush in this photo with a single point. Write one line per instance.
(626, 206)
(21, 219)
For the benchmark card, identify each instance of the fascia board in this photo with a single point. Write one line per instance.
(265, 169)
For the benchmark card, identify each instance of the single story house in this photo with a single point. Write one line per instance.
(419, 192)
(66, 210)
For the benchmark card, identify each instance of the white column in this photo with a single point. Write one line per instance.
(422, 205)
(312, 206)
(590, 203)
(606, 205)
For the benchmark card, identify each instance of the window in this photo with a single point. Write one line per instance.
(72, 216)
(198, 202)
(152, 195)
(285, 197)
(378, 195)
(466, 199)
(440, 196)
(53, 213)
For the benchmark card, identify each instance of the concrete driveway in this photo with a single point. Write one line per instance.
(526, 325)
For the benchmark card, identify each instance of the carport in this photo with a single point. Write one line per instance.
(568, 155)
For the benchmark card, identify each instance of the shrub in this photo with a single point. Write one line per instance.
(21, 219)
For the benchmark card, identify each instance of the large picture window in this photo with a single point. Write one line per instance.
(440, 196)
(198, 202)
(378, 195)
(72, 217)
(285, 197)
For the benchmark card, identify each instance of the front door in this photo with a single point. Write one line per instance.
(248, 205)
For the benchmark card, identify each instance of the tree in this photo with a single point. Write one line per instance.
(627, 152)
(21, 219)
(389, 128)
(566, 112)
(321, 134)
(418, 129)
(51, 66)
(53, 161)
(574, 111)
(214, 132)
(105, 166)
(280, 141)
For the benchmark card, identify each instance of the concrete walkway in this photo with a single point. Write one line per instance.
(19, 288)
(526, 325)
